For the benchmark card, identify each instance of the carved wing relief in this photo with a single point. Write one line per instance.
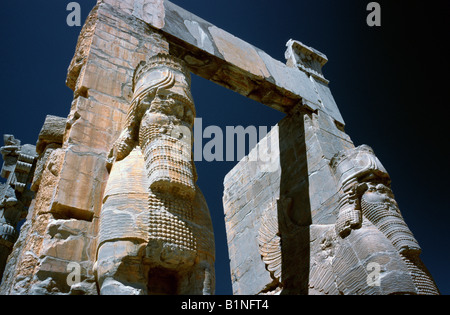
(270, 244)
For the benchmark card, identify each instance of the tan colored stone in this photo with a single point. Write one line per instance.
(82, 50)
(151, 200)
(150, 11)
(239, 53)
(67, 240)
(80, 186)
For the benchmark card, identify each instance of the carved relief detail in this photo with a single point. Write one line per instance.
(366, 195)
(379, 206)
(153, 155)
(275, 219)
(15, 197)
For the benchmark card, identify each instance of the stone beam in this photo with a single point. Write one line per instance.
(220, 57)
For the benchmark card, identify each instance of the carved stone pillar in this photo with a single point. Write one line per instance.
(155, 226)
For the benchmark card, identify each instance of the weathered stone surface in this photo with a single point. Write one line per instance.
(316, 258)
(124, 214)
(67, 240)
(295, 207)
(52, 132)
(153, 214)
(221, 57)
(24, 260)
(353, 256)
(50, 138)
(238, 52)
(150, 11)
(307, 59)
(365, 194)
(72, 179)
(80, 200)
(110, 48)
(18, 162)
(115, 182)
(15, 197)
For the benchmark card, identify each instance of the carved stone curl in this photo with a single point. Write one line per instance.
(154, 217)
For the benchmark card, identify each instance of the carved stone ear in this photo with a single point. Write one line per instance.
(137, 71)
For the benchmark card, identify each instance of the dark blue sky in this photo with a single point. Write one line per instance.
(390, 84)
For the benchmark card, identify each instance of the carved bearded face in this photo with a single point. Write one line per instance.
(166, 140)
(379, 206)
(172, 105)
(381, 195)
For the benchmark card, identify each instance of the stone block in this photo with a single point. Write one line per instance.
(52, 132)
(304, 177)
(289, 79)
(95, 127)
(239, 53)
(41, 164)
(53, 276)
(103, 80)
(327, 212)
(249, 272)
(68, 240)
(229, 58)
(81, 184)
(149, 11)
(82, 50)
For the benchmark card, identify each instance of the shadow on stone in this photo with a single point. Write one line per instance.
(294, 208)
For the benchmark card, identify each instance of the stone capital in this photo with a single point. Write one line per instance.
(306, 58)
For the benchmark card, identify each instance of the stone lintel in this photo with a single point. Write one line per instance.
(218, 56)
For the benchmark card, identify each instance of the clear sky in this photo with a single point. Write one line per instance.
(389, 82)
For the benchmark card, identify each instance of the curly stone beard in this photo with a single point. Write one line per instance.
(379, 206)
(165, 138)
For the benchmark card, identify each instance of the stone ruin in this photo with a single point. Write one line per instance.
(108, 202)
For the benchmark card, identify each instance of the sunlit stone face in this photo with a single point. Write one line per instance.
(165, 138)
(379, 206)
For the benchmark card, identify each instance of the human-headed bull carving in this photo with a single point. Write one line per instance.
(154, 219)
(366, 194)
